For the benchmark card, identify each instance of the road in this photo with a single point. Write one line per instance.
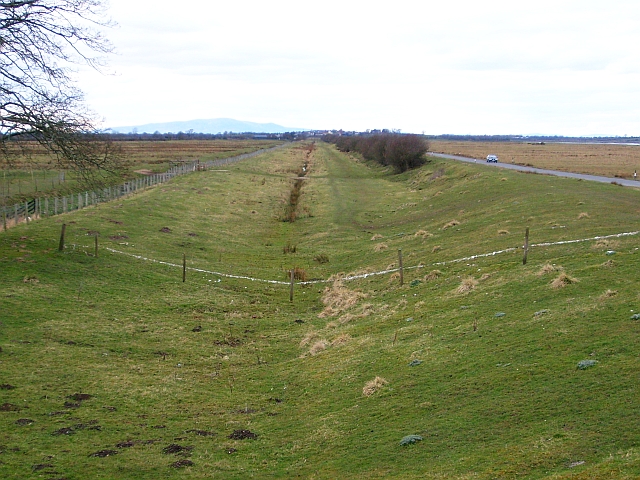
(557, 173)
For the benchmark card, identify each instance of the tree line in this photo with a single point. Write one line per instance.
(399, 151)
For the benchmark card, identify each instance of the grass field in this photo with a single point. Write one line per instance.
(37, 173)
(112, 367)
(596, 159)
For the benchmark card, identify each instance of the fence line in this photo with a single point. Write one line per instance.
(46, 206)
(382, 272)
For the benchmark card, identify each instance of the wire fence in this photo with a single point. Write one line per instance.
(372, 274)
(48, 206)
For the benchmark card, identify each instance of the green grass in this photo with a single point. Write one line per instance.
(502, 400)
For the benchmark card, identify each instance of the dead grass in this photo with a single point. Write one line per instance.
(372, 386)
(380, 247)
(341, 339)
(436, 248)
(563, 280)
(337, 298)
(485, 276)
(608, 294)
(606, 244)
(423, 234)
(452, 223)
(467, 284)
(308, 338)
(319, 346)
(582, 158)
(377, 236)
(394, 276)
(432, 275)
(548, 268)
(583, 215)
(503, 232)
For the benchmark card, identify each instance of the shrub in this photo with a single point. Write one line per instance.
(402, 152)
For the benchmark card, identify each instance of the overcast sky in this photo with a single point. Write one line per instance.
(461, 66)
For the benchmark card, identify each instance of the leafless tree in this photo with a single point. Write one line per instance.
(41, 42)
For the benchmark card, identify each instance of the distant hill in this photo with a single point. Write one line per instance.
(213, 126)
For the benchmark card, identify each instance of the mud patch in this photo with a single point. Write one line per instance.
(41, 466)
(197, 329)
(231, 450)
(118, 237)
(24, 421)
(71, 405)
(165, 230)
(174, 448)
(104, 453)
(9, 407)
(64, 431)
(182, 464)
(229, 342)
(202, 433)
(80, 397)
(243, 435)
(6, 386)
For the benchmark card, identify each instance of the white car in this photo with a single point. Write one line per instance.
(492, 158)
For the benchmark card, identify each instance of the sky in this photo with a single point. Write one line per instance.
(557, 67)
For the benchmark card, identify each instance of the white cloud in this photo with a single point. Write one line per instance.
(557, 67)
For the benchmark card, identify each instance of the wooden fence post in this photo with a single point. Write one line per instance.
(26, 212)
(291, 285)
(526, 246)
(96, 250)
(401, 267)
(184, 267)
(4, 218)
(61, 246)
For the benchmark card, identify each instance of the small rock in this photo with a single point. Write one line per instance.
(197, 329)
(635, 316)
(577, 464)
(410, 319)
(415, 363)
(584, 364)
(610, 252)
(500, 314)
(410, 439)
(415, 283)
(541, 312)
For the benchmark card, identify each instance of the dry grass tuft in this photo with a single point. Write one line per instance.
(503, 179)
(423, 234)
(563, 280)
(394, 276)
(583, 215)
(484, 277)
(372, 386)
(606, 244)
(341, 340)
(452, 223)
(548, 268)
(377, 236)
(380, 247)
(319, 346)
(435, 249)
(608, 294)
(503, 232)
(609, 264)
(338, 299)
(468, 284)
(308, 338)
(432, 275)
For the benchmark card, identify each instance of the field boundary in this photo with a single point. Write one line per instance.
(40, 207)
(381, 272)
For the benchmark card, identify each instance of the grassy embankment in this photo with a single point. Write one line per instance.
(603, 159)
(497, 395)
(37, 173)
